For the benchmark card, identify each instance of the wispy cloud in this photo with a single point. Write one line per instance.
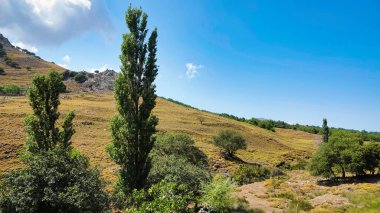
(193, 70)
(66, 59)
(28, 47)
(51, 22)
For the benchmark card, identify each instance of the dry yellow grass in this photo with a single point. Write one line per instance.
(23, 76)
(264, 146)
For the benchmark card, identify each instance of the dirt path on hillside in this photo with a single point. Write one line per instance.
(255, 194)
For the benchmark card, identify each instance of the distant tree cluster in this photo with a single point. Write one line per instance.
(271, 124)
(12, 63)
(2, 51)
(346, 153)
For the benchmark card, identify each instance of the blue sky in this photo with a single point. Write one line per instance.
(297, 61)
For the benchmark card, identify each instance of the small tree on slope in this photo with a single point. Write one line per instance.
(133, 128)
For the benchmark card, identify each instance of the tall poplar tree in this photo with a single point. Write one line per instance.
(133, 128)
(42, 132)
(325, 131)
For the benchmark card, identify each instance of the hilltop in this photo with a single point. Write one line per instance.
(20, 64)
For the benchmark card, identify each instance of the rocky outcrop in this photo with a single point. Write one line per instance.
(94, 82)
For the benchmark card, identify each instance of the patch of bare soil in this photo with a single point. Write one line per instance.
(255, 194)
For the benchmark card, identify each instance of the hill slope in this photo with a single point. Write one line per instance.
(29, 65)
(92, 126)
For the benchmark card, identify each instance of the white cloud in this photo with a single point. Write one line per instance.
(51, 22)
(193, 70)
(66, 59)
(64, 66)
(101, 69)
(22, 45)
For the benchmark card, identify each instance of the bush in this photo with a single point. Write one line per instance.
(178, 170)
(276, 172)
(11, 63)
(230, 141)
(180, 145)
(162, 197)
(10, 90)
(250, 173)
(218, 194)
(80, 77)
(176, 159)
(54, 181)
(2, 71)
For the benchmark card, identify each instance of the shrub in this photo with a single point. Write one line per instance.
(178, 170)
(80, 77)
(162, 197)
(250, 173)
(2, 71)
(230, 141)
(218, 194)
(11, 63)
(54, 181)
(10, 90)
(275, 172)
(180, 145)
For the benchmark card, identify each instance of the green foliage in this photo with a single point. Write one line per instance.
(80, 77)
(218, 194)
(325, 131)
(2, 51)
(40, 126)
(162, 197)
(230, 141)
(2, 71)
(343, 153)
(53, 181)
(12, 63)
(178, 170)
(371, 157)
(180, 145)
(250, 173)
(10, 89)
(135, 96)
(364, 202)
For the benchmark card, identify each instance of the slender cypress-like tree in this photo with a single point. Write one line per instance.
(135, 96)
(325, 131)
(42, 132)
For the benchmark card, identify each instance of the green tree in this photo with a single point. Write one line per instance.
(40, 126)
(56, 178)
(325, 131)
(230, 141)
(343, 153)
(135, 96)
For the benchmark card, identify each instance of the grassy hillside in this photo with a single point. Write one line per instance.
(29, 65)
(264, 146)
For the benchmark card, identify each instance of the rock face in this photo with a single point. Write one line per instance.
(100, 81)
(95, 82)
